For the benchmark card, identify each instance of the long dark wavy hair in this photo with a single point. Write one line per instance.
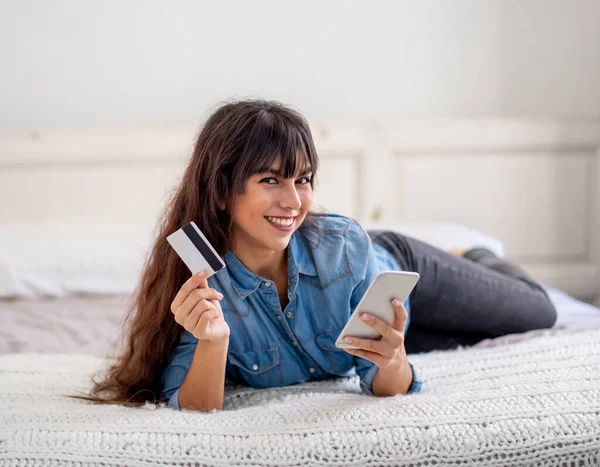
(238, 140)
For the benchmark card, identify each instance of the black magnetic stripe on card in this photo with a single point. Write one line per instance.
(203, 248)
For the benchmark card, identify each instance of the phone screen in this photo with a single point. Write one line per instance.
(377, 301)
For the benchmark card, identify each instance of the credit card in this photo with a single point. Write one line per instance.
(194, 250)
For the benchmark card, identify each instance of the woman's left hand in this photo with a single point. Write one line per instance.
(387, 351)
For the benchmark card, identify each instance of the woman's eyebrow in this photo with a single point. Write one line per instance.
(279, 174)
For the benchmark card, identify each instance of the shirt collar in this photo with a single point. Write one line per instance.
(245, 282)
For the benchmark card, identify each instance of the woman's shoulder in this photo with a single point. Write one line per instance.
(336, 235)
(333, 223)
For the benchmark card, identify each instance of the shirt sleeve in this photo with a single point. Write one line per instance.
(365, 270)
(177, 369)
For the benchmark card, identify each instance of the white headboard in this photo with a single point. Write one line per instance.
(532, 184)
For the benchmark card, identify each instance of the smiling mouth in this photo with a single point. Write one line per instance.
(281, 222)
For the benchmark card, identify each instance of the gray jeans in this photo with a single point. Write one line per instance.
(461, 301)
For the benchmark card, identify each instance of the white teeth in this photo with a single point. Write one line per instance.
(282, 222)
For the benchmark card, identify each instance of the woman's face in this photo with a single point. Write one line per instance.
(270, 200)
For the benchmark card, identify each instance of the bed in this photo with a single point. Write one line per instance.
(520, 399)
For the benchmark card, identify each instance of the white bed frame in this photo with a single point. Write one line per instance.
(532, 184)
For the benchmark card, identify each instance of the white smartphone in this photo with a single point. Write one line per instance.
(377, 301)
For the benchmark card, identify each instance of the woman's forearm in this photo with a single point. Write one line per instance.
(203, 387)
(393, 381)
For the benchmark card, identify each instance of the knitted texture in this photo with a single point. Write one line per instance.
(535, 402)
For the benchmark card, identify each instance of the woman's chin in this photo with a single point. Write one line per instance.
(279, 244)
(278, 241)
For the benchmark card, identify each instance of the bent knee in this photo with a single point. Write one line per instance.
(544, 312)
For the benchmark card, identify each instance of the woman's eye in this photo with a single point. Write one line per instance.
(268, 178)
(306, 180)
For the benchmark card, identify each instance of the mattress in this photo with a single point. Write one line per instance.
(87, 325)
(91, 325)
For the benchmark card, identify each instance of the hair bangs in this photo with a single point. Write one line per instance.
(273, 137)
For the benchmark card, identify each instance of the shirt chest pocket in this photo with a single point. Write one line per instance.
(259, 368)
(341, 361)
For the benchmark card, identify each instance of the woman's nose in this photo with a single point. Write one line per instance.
(291, 198)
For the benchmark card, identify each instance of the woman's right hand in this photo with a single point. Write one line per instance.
(196, 307)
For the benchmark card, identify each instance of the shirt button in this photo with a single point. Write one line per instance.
(279, 317)
(268, 283)
(312, 370)
(289, 314)
(255, 367)
(294, 343)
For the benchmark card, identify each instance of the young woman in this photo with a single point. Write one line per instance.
(293, 277)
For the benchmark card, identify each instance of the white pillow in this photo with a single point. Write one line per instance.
(444, 235)
(67, 256)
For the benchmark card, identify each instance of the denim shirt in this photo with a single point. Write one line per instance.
(269, 347)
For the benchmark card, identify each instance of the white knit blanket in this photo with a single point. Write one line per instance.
(533, 402)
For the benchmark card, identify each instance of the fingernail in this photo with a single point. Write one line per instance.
(201, 273)
(395, 302)
(365, 317)
(220, 294)
(347, 340)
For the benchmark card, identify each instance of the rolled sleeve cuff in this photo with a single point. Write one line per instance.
(416, 382)
(366, 383)
(174, 400)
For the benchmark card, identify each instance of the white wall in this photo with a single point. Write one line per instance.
(76, 63)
